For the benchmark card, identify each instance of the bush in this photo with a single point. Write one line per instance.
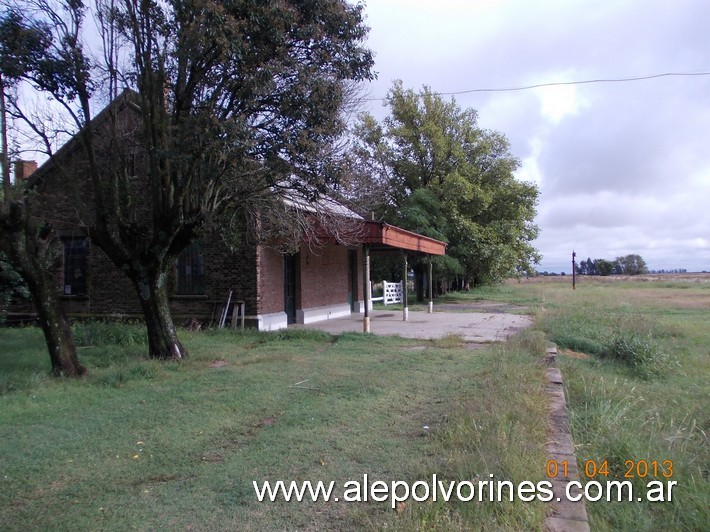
(579, 344)
(629, 339)
(640, 352)
(103, 333)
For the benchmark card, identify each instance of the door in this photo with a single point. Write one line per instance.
(290, 288)
(352, 279)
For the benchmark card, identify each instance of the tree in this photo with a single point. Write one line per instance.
(12, 286)
(236, 102)
(447, 178)
(632, 264)
(603, 267)
(617, 269)
(24, 241)
(591, 267)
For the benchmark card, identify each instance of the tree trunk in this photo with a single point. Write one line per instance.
(57, 332)
(27, 252)
(163, 342)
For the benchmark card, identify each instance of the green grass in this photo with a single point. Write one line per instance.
(149, 445)
(643, 393)
(635, 356)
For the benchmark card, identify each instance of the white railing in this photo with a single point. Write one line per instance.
(392, 293)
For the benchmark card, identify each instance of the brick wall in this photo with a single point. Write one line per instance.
(67, 204)
(225, 270)
(270, 268)
(255, 274)
(24, 169)
(321, 278)
(324, 276)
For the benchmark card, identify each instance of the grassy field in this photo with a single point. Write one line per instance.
(148, 445)
(636, 364)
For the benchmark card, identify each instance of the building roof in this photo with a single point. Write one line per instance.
(323, 204)
(128, 98)
(379, 235)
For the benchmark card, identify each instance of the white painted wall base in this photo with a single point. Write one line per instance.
(279, 320)
(272, 322)
(311, 315)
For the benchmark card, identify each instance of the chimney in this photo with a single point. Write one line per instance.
(24, 169)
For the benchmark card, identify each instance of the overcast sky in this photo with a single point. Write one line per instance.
(622, 167)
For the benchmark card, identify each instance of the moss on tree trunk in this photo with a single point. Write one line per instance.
(58, 335)
(163, 342)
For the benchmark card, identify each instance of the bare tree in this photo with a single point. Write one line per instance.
(228, 102)
(24, 240)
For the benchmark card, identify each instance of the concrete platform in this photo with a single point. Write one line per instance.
(473, 327)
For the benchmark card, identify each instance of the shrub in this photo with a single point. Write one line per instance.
(579, 343)
(102, 333)
(632, 340)
(449, 341)
(531, 341)
(640, 352)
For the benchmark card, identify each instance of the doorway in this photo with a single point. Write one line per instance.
(290, 288)
(352, 279)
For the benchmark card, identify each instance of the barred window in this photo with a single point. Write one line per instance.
(75, 265)
(190, 270)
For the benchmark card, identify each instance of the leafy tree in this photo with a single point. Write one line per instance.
(628, 265)
(632, 264)
(587, 267)
(12, 286)
(237, 102)
(617, 270)
(442, 175)
(603, 267)
(25, 243)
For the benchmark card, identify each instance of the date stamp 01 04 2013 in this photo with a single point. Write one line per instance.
(631, 469)
(655, 473)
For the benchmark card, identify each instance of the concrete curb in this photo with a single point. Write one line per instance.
(565, 515)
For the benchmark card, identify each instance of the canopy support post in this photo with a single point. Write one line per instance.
(431, 287)
(405, 273)
(366, 287)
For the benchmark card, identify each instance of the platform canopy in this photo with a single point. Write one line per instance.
(329, 215)
(382, 236)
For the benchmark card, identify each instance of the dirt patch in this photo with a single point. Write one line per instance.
(482, 306)
(476, 345)
(218, 364)
(269, 421)
(573, 354)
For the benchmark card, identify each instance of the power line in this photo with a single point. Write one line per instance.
(561, 83)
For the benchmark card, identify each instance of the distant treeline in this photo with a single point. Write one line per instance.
(628, 265)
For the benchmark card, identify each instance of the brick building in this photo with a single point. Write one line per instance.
(316, 283)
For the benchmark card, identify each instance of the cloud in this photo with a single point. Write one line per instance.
(622, 167)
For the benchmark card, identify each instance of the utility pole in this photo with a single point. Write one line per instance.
(574, 268)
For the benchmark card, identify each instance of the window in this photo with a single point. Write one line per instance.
(190, 270)
(75, 260)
